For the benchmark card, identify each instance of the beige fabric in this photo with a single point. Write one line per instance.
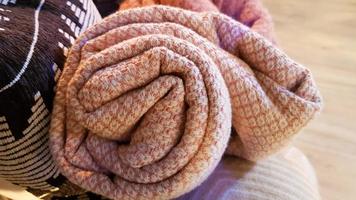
(287, 175)
(143, 107)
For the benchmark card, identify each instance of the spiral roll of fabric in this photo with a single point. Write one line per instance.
(143, 107)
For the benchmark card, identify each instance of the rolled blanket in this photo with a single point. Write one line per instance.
(34, 40)
(142, 109)
(249, 12)
(161, 94)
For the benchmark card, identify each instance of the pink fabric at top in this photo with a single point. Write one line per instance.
(249, 12)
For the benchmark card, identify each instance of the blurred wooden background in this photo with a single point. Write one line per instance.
(321, 34)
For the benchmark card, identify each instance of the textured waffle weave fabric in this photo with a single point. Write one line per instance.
(145, 104)
(249, 12)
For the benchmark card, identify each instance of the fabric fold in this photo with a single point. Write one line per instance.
(147, 98)
(249, 12)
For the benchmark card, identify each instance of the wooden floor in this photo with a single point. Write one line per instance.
(321, 34)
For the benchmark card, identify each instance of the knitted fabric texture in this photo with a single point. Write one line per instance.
(34, 40)
(142, 109)
(249, 12)
(287, 175)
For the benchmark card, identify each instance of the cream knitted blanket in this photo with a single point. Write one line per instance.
(146, 101)
(286, 175)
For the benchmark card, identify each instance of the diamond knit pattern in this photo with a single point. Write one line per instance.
(146, 102)
(251, 13)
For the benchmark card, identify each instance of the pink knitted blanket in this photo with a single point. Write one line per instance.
(249, 12)
(147, 98)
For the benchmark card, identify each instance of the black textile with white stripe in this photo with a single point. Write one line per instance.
(34, 39)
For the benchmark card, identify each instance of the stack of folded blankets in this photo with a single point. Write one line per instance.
(163, 99)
